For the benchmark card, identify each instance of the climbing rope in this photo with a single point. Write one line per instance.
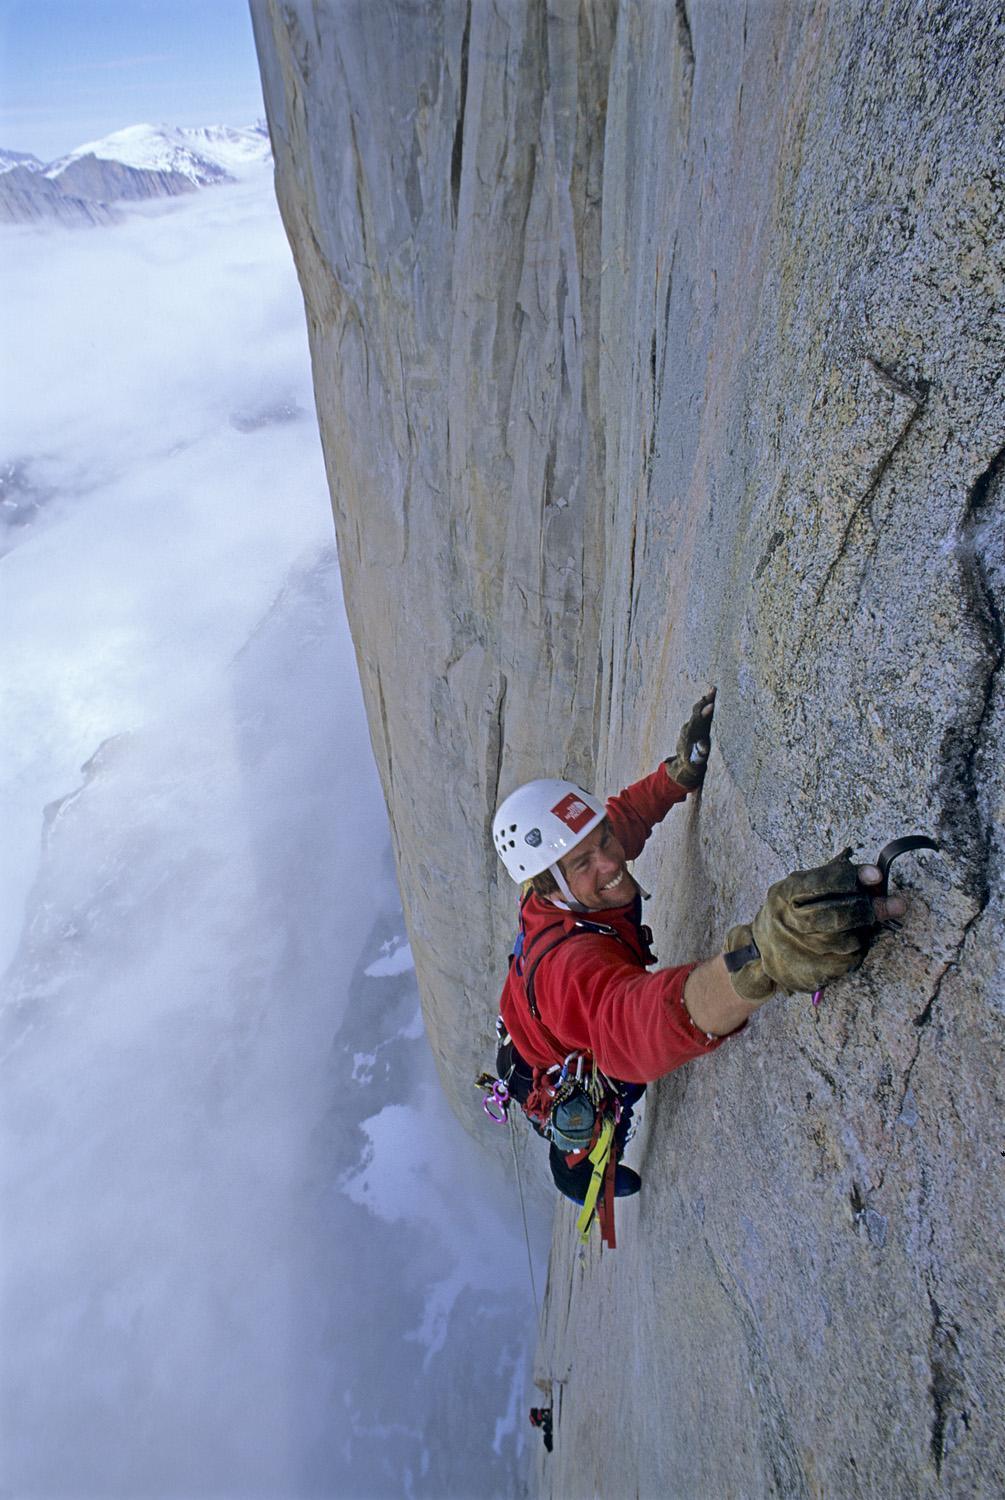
(526, 1231)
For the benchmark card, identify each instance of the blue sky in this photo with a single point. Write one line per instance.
(75, 70)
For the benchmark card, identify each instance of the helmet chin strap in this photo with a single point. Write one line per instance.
(560, 881)
(570, 899)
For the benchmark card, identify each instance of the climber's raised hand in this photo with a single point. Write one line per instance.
(687, 764)
(815, 926)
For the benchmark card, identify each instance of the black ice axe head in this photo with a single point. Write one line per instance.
(893, 850)
(884, 859)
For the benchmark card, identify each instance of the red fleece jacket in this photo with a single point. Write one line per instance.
(593, 992)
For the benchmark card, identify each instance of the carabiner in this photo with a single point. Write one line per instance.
(565, 1066)
(498, 1099)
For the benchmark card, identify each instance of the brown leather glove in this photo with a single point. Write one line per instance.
(687, 765)
(814, 926)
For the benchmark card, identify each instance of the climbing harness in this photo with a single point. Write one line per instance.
(884, 859)
(576, 1107)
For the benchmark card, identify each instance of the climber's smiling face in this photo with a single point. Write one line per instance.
(596, 872)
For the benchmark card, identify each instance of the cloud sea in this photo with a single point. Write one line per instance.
(246, 1248)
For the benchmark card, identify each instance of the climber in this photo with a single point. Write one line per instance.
(540, 1417)
(592, 996)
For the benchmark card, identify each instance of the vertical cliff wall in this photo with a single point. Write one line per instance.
(440, 172)
(658, 345)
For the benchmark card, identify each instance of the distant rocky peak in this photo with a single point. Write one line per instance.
(203, 154)
(23, 159)
(137, 162)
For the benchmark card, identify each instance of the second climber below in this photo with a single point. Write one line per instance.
(593, 996)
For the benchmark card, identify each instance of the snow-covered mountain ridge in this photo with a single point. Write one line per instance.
(23, 159)
(201, 153)
(140, 161)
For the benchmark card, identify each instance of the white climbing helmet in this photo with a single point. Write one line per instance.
(539, 823)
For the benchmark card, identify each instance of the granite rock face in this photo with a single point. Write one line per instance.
(659, 345)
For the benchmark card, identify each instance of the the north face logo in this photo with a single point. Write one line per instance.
(573, 812)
